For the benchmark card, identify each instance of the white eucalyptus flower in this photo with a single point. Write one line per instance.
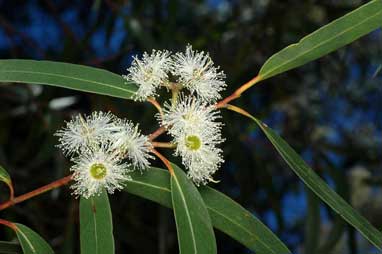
(94, 171)
(188, 114)
(199, 154)
(196, 72)
(129, 141)
(149, 73)
(86, 133)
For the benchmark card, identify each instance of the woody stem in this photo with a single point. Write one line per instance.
(238, 92)
(36, 192)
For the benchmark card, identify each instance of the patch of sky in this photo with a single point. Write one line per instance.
(270, 219)
(324, 215)
(293, 239)
(307, 155)
(275, 120)
(70, 17)
(329, 180)
(99, 41)
(256, 101)
(376, 34)
(41, 28)
(334, 158)
(293, 205)
(4, 40)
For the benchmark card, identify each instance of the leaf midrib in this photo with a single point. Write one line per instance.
(318, 45)
(365, 231)
(187, 213)
(153, 186)
(68, 77)
(95, 225)
(27, 240)
(240, 226)
(214, 210)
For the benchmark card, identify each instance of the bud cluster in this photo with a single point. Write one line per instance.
(104, 150)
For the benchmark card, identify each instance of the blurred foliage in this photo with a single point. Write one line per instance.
(328, 110)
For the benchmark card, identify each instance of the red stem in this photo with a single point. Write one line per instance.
(36, 192)
(164, 160)
(8, 224)
(157, 133)
(238, 92)
(163, 144)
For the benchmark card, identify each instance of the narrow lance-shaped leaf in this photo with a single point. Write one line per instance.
(96, 227)
(226, 215)
(193, 224)
(71, 76)
(320, 188)
(31, 242)
(336, 34)
(4, 176)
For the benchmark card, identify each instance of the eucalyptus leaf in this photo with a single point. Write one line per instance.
(4, 176)
(226, 215)
(96, 226)
(320, 188)
(193, 223)
(31, 242)
(336, 34)
(66, 75)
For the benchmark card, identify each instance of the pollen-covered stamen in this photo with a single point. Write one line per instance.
(195, 70)
(193, 142)
(98, 171)
(95, 171)
(189, 114)
(84, 133)
(149, 72)
(128, 141)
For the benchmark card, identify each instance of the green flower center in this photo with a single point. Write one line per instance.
(98, 171)
(193, 142)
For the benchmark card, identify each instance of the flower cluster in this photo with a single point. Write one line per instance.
(104, 148)
(190, 118)
(99, 145)
(192, 70)
(192, 124)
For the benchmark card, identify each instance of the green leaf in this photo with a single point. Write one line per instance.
(226, 215)
(31, 242)
(234, 220)
(193, 223)
(4, 176)
(96, 226)
(336, 34)
(9, 248)
(71, 76)
(320, 188)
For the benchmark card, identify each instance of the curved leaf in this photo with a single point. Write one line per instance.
(226, 215)
(320, 188)
(71, 76)
(193, 223)
(4, 176)
(96, 226)
(31, 242)
(234, 220)
(336, 34)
